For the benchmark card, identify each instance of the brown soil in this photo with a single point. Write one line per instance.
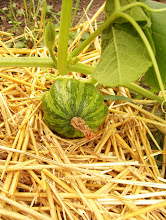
(6, 25)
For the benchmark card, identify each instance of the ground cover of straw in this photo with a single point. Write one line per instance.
(43, 176)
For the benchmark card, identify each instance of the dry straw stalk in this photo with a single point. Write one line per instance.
(43, 176)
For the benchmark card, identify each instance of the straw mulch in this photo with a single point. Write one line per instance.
(43, 176)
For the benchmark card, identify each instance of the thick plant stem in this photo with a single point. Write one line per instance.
(81, 67)
(145, 93)
(117, 5)
(42, 62)
(64, 36)
(27, 62)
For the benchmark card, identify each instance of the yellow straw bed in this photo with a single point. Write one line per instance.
(42, 176)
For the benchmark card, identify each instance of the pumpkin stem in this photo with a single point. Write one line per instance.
(79, 124)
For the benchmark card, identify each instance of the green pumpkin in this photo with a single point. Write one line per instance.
(69, 98)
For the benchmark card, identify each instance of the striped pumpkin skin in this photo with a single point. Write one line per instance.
(70, 98)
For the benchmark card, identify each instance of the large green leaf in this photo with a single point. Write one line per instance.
(158, 28)
(137, 13)
(124, 59)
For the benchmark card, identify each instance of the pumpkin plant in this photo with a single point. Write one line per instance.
(133, 44)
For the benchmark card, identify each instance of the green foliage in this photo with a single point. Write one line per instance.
(132, 43)
(124, 56)
(137, 13)
(124, 59)
(158, 30)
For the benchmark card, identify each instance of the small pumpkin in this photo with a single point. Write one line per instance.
(73, 108)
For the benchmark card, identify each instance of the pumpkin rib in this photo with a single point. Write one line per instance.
(58, 101)
(91, 101)
(51, 105)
